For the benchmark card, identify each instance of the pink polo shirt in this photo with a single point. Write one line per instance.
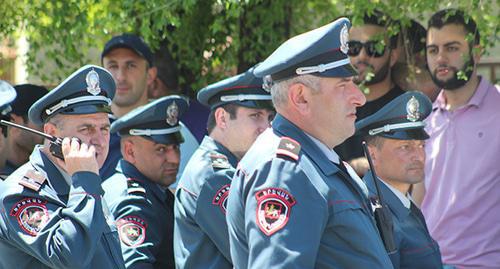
(462, 201)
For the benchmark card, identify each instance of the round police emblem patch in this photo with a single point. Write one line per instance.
(132, 230)
(220, 198)
(92, 80)
(172, 114)
(273, 209)
(31, 215)
(344, 37)
(412, 109)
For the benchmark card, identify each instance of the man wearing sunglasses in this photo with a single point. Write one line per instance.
(372, 52)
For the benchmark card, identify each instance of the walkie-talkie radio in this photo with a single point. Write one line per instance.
(383, 217)
(55, 142)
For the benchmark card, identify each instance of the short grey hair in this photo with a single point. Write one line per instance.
(279, 89)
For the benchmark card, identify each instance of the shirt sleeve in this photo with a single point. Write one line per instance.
(51, 231)
(285, 217)
(141, 230)
(210, 212)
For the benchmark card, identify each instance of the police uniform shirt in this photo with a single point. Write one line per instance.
(50, 224)
(415, 247)
(144, 217)
(200, 234)
(291, 207)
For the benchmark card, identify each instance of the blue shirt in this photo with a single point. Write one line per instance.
(415, 247)
(144, 217)
(291, 207)
(200, 234)
(50, 224)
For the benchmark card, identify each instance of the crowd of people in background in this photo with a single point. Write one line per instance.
(348, 147)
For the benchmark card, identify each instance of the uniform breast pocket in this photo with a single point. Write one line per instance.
(347, 213)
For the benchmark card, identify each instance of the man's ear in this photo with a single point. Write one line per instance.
(221, 116)
(16, 119)
(394, 56)
(128, 150)
(152, 73)
(477, 51)
(51, 129)
(298, 98)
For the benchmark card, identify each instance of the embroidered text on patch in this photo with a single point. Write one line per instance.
(273, 209)
(220, 197)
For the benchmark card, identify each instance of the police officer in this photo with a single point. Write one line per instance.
(54, 213)
(20, 144)
(7, 95)
(292, 202)
(240, 109)
(130, 60)
(395, 136)
(138, 194)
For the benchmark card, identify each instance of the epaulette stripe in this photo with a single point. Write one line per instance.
(30, 185)
(287, 153)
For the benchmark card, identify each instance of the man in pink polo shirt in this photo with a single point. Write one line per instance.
(462, 199)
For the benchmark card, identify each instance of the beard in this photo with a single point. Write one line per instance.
(454, 82)
(377, 77)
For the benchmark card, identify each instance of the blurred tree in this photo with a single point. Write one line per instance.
(206, 39)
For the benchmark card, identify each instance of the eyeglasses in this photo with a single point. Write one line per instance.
(372, 48)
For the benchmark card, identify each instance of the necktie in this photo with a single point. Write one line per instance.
(416, 212)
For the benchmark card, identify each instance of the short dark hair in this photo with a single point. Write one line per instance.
(455, 16)
(230, 108)
(381, 19)
(374, 140)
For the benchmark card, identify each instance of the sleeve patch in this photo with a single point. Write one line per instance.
(220, 198)
(273, 209)
(219, 161)
(288, 147)
(134, 186)
(132, 230)
(32, 180)
(31, 215)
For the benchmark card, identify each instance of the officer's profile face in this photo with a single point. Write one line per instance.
(399, 162)
(92, 129)
(244, 127)
(158, 162)
(332, 109)
(132, 76)
(369, 52)
(447, 51)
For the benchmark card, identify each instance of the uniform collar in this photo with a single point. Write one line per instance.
(390, 198)
(130, 171)
(330, 153)
(44, 165)
(210, 144)
(476, 99)
(284, 127)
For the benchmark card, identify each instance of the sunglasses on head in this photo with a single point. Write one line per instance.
(372, 48)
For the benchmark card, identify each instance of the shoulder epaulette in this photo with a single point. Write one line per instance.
(289, 148)
(134, 186)
(219, 161)
(32, 180)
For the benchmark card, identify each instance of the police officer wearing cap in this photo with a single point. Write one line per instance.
(138, 194)
(240, 109)
(54, 213)
(293, 203)
(395, 137)
(131, 62)
(20, 144)
(7, 95)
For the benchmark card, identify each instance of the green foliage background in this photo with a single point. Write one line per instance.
(208, 39)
